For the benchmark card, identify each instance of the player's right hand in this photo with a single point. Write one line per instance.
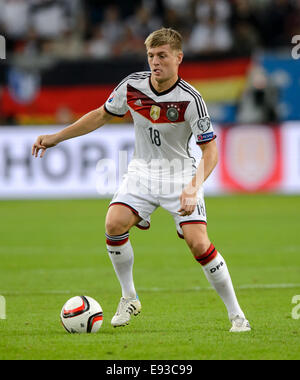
(43, 143)
(188, 201)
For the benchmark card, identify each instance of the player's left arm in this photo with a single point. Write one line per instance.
(209, 159)
(208, 162)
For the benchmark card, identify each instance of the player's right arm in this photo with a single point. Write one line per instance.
(86, 124)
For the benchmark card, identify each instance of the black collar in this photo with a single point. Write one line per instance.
(166, 91)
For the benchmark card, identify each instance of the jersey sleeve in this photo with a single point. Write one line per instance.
(199, 120)
(116, 103)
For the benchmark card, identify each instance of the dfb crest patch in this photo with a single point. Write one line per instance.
(172, 114)
(204, 124)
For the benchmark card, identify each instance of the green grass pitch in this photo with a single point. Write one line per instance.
(53, 250)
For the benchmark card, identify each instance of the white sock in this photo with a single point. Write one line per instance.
(217, 274)
(122, 259)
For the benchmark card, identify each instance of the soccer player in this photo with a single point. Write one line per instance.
(167, 112)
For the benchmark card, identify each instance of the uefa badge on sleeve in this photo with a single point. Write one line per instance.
(204, 124)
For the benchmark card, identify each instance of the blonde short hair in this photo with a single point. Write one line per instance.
(164, 36)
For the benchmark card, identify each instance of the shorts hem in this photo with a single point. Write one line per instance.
(126, 205)
(143, 227)
(180, 235)
(193, 222)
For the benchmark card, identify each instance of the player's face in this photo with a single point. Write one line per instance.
(164, 62)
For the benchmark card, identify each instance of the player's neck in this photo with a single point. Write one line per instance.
(163, 86)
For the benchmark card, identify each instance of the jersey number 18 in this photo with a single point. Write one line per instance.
(155, 136)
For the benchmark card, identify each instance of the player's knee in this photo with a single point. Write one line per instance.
(115, 227)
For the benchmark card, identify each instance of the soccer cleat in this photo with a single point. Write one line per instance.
(126, 308)
(240, 324)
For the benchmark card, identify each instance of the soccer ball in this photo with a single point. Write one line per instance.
(81, 314)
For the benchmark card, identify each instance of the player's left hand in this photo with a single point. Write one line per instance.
(43, 143)
(188, 202)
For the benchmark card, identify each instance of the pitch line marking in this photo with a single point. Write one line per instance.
(154, 289)
(238, 287)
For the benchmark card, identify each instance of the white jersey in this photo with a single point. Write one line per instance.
(164, 122)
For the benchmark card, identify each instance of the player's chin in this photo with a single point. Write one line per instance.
(157, 74)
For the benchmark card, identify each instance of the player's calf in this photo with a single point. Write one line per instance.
(121, 255)
(216, 272)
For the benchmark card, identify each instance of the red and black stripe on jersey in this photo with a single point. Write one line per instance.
(134, 76)
(141, 103)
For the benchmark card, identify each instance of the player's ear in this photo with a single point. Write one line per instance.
(179, 57)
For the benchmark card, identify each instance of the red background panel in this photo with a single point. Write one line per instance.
(270, 179)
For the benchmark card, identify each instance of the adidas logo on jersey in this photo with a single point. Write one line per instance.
(138, 103)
